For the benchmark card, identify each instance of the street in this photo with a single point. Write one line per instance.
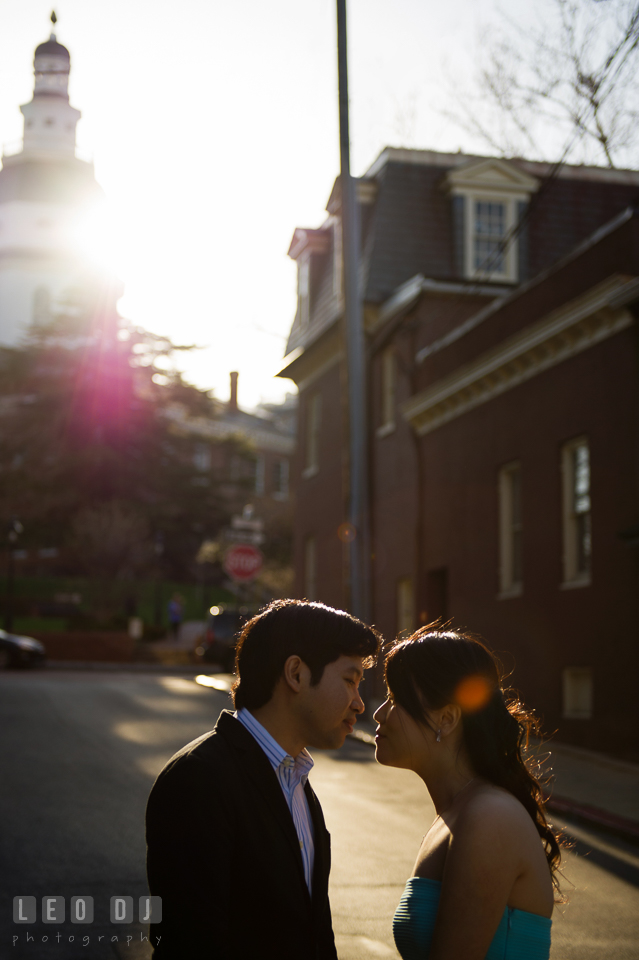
(79, 752)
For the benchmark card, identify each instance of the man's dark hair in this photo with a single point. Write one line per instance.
(317, 634)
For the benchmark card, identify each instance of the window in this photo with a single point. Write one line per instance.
(259, 476)
(337, 259)
(405, 607)
(280, 479)
(388, 380)
(303, 287)
(313, 417)
(489, 232)
(202, 457)
(577, 526)
(437, 595)
(510, 531)
(310, 568)
(490, 198)
(577, 693)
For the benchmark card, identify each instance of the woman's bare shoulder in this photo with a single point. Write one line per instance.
(491, 813)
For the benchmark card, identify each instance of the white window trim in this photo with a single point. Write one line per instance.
(337, 258)
(510, 275)
(388, 384)
(572, 579)
(405, 606)
(508, 586)
(312, 438)
(260, 474)
(282, 493)
(568, 711)
(303, 288)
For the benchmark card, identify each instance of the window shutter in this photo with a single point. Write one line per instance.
(459, 213)
(522, 242)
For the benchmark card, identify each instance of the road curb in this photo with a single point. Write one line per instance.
(621, 826)
(121, 667)
(611, 822)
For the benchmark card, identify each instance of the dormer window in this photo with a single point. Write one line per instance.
(308, 248)
(303, 286)
(489, 235)
(489, 202)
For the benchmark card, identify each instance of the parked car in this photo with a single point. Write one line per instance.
(223, 628)
(17, 651)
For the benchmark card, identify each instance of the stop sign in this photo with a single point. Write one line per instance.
(243, 562)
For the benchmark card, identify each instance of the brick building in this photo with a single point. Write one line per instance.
(500, 304)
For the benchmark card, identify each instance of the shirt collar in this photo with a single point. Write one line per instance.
(275, 753)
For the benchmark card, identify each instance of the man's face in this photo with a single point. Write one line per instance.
(328, 711)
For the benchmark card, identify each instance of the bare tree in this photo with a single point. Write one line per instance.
(565, 90)
(111, 543)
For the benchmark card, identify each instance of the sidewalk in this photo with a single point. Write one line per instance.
(595, 788)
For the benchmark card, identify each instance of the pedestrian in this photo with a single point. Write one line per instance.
(175, 615)
(482, 885)
(237, 845)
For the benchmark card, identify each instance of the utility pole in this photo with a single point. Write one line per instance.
(355, 350)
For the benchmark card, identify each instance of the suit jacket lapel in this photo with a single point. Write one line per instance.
(322, 865)
(258, 768)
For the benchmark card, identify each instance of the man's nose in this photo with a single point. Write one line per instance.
(358, 703)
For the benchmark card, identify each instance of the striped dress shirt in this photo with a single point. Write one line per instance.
(292, 774)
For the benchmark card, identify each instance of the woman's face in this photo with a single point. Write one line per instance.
(399, 740)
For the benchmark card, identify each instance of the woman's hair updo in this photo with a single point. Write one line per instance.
(436, 667)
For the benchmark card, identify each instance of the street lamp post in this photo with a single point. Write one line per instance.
(14, 530)
(355, 351)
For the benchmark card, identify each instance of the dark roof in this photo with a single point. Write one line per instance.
(407, 226)
(411, 224)
(613, 252)
(51, 48)
(61, 181)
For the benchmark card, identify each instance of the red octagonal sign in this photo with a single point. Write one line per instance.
(243, 562)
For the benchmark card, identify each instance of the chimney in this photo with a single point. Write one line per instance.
(233, 397)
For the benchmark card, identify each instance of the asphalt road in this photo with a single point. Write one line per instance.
(78, 754)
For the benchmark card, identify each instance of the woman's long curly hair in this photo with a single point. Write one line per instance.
(435, 667)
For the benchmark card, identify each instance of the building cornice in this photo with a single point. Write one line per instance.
(405, 296)
(457, 332)
(580, 324)
(306, 364)
(536, 168)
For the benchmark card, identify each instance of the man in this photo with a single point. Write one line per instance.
(237, 845)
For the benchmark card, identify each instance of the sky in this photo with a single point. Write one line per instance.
(213, 127)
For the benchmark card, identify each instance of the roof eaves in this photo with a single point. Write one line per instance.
(458, 332)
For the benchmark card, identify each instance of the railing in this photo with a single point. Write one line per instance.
(14, 147)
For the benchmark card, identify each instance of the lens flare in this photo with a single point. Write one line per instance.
(346, 532)
(473, 693)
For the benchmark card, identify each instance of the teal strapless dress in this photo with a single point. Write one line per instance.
(520, 935)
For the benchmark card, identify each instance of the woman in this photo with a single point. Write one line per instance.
(482, 886)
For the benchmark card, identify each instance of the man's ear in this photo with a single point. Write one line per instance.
(293, 673)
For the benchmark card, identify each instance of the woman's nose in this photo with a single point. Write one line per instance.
(380, 713)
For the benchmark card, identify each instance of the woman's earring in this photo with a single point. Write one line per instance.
(439, 736)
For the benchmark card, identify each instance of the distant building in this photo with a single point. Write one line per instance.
(45, 190)
(260, 472)
(501, 300)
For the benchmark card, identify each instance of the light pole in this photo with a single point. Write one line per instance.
(14, 529)
(355, 351)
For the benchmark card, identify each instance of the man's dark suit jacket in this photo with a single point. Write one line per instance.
(224, 856)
